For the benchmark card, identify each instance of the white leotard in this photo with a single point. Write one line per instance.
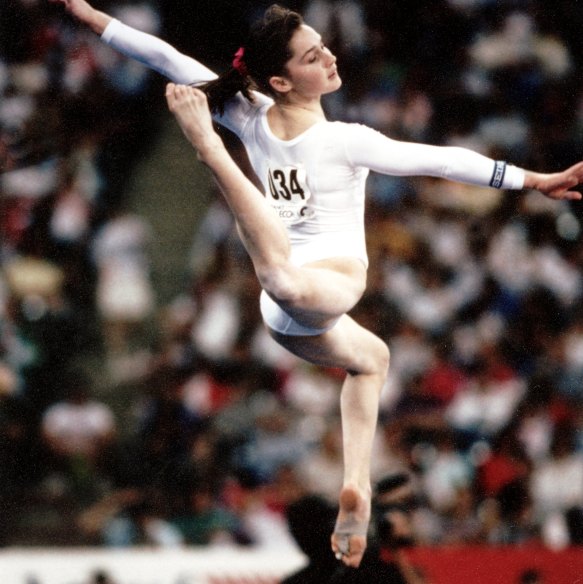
(316, 181)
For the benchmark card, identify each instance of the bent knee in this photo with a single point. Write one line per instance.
(279, 283)
(376, 361)
(380, 359)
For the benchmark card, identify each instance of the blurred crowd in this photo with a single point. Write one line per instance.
(478, 293)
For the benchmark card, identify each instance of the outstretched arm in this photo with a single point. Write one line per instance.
(371, 149)
(94, 19)
(158, 55)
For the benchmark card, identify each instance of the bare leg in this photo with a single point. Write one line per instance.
(366, 357)
(320, 290)
(262, 232)
(324, 289)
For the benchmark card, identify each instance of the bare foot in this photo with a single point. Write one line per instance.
(190, 108)
(349, 537)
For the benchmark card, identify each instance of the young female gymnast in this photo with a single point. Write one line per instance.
(306, 235)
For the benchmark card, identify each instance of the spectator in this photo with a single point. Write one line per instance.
(126, 518)
(125, 298)
(557, 486)
(502, 272)
(202, 520)
(78, 433)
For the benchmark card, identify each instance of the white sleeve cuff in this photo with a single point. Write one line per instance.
(513, 178)
(109, 31)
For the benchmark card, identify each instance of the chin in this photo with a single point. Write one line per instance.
(336, 83)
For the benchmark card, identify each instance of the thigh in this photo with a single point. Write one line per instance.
(347, 345)
(316, 292)
(276, 319)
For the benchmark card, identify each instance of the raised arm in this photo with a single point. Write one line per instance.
(140, 46)
(158, 55)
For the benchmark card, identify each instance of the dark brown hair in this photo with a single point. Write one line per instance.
(266, 53)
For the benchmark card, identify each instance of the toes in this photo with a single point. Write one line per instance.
(349, 537)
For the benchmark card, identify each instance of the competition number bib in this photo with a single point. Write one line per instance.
(289, 193)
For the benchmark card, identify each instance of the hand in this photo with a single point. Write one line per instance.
(74, 7)
(557, 185)
(86, 14)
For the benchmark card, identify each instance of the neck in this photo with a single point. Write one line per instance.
(290, 120)
(291, 109)
(290, 116)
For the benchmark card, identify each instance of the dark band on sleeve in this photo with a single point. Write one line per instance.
(498, 175)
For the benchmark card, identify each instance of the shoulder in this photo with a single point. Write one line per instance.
(351, 131)
(354, 140)
(260, 99)
(239, 111)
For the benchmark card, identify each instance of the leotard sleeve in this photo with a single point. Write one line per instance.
(158, 55)
(370, 149)
(155, 54)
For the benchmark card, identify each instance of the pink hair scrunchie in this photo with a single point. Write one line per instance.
(238, 63)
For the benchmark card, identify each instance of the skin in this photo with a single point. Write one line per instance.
(316, 293)
(313, 293)
(311, 73)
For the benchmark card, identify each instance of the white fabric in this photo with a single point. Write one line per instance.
(316, 181)
(278, 320)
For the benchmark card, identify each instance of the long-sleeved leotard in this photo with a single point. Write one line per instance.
(316, 181)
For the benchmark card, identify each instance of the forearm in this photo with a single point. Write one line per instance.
(98, 21)
(459, 165)
(373, 150)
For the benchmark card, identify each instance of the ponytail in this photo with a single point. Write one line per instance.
(224, 88)
(265, 55)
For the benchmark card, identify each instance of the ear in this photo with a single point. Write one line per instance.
(280, 84)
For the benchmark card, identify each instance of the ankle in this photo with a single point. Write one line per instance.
(210, 149)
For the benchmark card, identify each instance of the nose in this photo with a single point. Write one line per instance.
(330, 57)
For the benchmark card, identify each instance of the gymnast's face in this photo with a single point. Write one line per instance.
(311, 72)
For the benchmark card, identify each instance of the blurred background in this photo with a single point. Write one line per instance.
(141, 401)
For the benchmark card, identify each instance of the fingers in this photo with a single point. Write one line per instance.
(566, 195)
(560, 186)
(577, 170)
(562, 191)
(575, 175)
